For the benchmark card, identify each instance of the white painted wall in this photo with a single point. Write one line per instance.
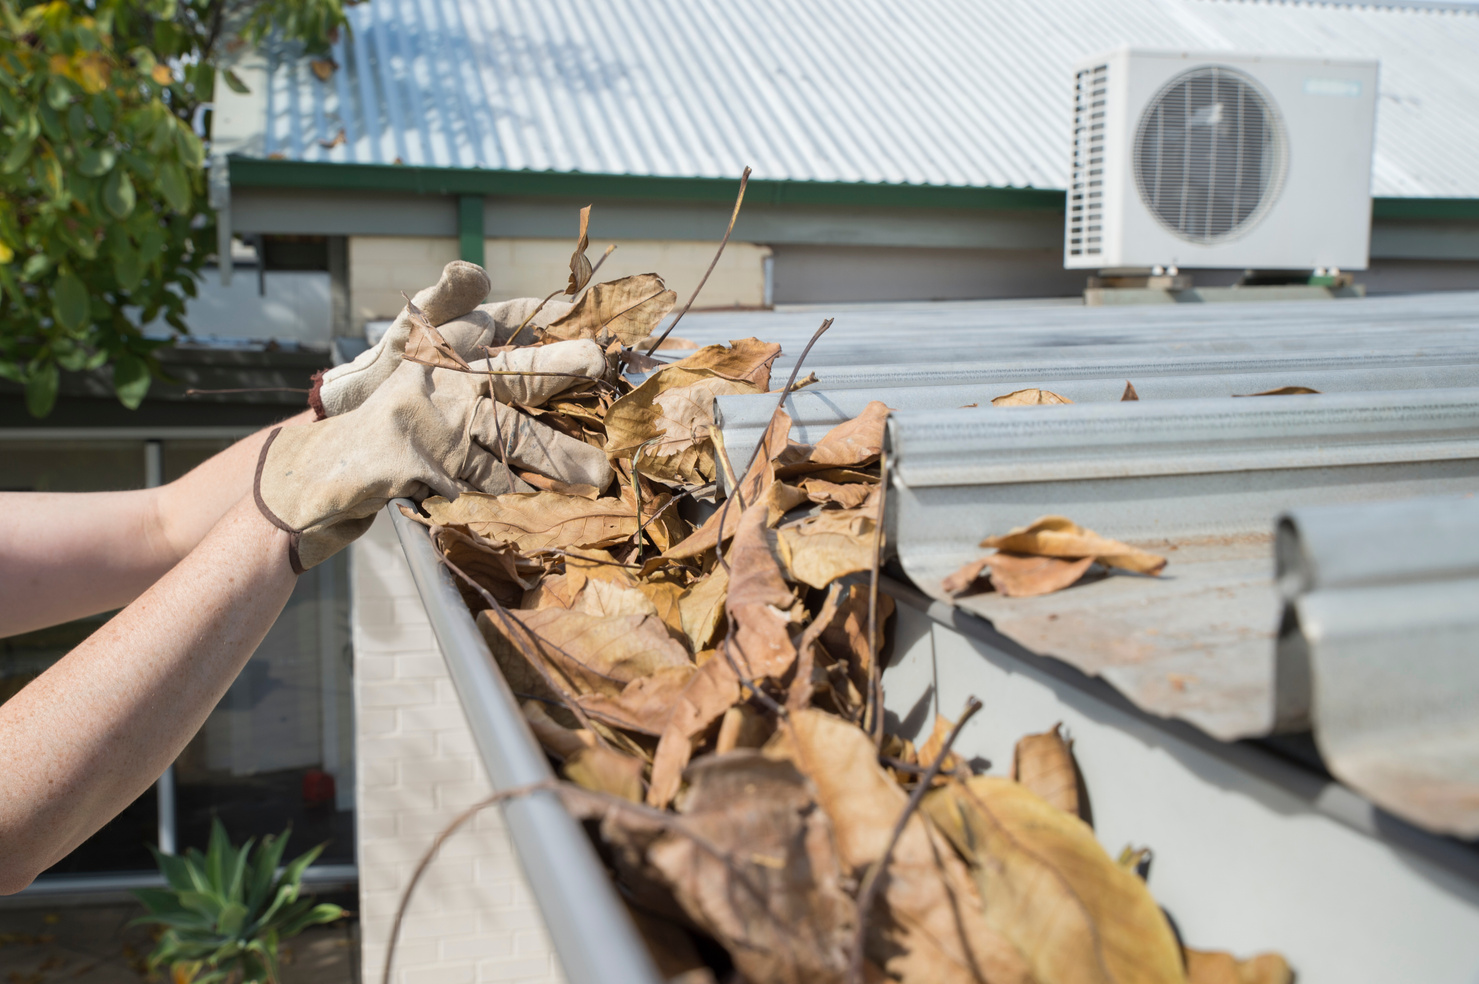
(472, 918)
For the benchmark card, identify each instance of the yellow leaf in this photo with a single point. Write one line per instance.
(6, 253)
(1215, 967)
(163, 75)
(1029, 398)
(1048, 886)
(930, 925)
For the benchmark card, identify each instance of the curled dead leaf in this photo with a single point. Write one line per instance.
(1029, 398)
(580, 264)
(852, 443)
(1129, 393)
(628, 309)
(538, 520)
(1283, 391)
(1215, 967)
(1056, 536)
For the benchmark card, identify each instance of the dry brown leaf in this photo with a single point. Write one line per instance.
(745, 360)
(1051, 889)
(852, 443)
(628, 308)
(848, 496)
(606, 771)
(1028, 576)
(426, 345)
(846, 635)
(743, 727)
(1056, 536)
(760, 602)
(830, 545)
(1129, 393)
(780, 499)
(701, 608)
(775, 900)
(323, 68)
(556, 739)
(666, 420)
(607, 599)
(1283, 391)
(537, 520)
(1216, 967)
(626, 670)
(964, 578)
(1029, 398)
(544, 483)
(929, 925)
(666, 597)
(935, 743)
(671, 343)
(677, 959)
(1044, 764)
(713, 690)
(580, 264)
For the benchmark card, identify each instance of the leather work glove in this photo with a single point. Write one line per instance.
(455, 297)
(451, 305)
(424, 431)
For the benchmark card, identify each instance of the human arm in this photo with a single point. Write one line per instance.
(88, 736)
(67, 555)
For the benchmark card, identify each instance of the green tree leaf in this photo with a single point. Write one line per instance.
(235, 83)
(174, 186)
(131, 379)
(94, 162)
(41, 389)
(118, 194)
(69, 300)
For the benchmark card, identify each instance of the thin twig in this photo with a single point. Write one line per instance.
(537, 309)
(247, 389)
(874, 877)
(744, 180)
(436, 845)
(875, 670)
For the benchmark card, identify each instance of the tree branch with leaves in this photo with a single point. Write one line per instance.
(104, 223)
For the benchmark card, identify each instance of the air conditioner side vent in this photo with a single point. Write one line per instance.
(1086, 187)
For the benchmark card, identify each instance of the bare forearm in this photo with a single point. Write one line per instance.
(68, 555)
(92, 733)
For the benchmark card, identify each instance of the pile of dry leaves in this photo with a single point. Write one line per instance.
(705, 670)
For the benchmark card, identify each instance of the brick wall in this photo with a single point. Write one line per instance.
(472, 918)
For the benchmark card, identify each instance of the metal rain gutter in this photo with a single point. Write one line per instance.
(1201, 481)
(1376, 650)
(815, 411)
(592, 932)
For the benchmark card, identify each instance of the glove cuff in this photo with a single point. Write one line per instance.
(315, 395)
(294, 537)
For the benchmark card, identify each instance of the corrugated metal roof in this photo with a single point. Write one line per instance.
(936, 92)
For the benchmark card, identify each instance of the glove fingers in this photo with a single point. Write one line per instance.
(469, 334)
(533, 446)
(486, 472)
(571, 362)
(509, 315)
(462, 287)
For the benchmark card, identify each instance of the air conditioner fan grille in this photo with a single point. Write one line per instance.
(1210, 154)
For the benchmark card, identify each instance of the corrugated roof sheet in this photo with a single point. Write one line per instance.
(935, 92)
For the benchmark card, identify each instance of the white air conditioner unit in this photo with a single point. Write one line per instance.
(1215, 159)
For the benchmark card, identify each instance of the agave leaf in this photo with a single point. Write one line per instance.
(236, 878)
(218, 855)
(176, 871)
(233, 915)
(264, 866)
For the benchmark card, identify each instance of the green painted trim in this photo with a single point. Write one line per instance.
(1449, 209)
(470, 228)
(470, 183)
(256, 173)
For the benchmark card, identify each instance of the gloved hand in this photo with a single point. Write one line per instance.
(451, 305)
(453, 298)
(424, 431)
